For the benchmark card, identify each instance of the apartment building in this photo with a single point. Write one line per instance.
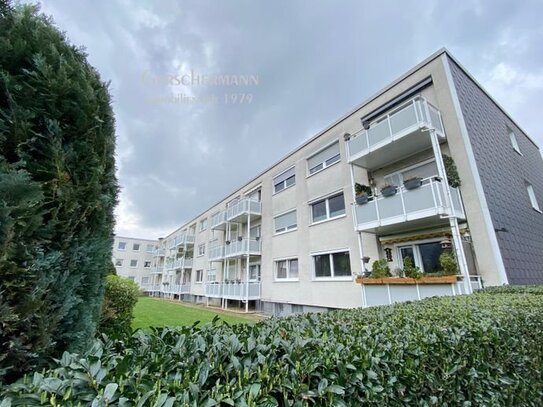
(461, 176)
(133, 258)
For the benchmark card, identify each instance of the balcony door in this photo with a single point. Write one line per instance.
(424, 169)
(254, 272)
(425, 255)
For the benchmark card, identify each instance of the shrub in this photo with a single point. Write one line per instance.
(448, 264)
(57, 191)
(457, 351)
(409, 269)
(452, 172)
(513, 289)
(120, 297)
(380, 269)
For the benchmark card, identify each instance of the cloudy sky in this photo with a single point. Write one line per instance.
(314, 60)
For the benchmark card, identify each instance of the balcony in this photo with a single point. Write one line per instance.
(218, 221)
(181, 263)
(176, 289)
(409, 209)
(234, 290)
(157, 270)
(239, 211)
(398, 134)
(216, 253)
(151, 287)
(158, 252)
(240, 248)
(180, 240)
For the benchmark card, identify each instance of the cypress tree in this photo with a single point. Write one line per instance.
(57, 192)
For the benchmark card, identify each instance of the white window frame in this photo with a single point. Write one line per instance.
(200, 280)
(284, 181)
(513, 139)
(131, 266)
(144, 264)
(409, 168)
(119, 261)
(151, 249)
(532, 197)
(326, 199)
(203, 225)
(136, 244)
(330, 253)
(200, 252)
(287, 228)
(211, 273)
(288, 278)
(416, 252)
(324, 165)
(119, 246)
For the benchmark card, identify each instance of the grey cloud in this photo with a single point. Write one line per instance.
(315, 61)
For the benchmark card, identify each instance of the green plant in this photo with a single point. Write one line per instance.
(120, 298)
(448, 263)
(479, 350)
(361, 189)
(57, 191)
(380, 269)
(409, 268)
(452, 172)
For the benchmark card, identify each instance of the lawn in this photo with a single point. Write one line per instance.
(160, 312)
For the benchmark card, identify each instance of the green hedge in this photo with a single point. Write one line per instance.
(514, 289)
(120, 298)
(462, 351)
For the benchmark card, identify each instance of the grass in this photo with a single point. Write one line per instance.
(160, 312)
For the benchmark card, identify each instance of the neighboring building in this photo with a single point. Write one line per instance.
(133, 258)
(292, 238)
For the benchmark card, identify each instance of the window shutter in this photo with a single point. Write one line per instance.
(281, 177)
(288, 219)
(323, 155)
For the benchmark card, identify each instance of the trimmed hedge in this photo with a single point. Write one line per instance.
(460, 351)
(120, 298)
(514, 289)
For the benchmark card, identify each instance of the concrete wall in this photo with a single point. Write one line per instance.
(138, 273)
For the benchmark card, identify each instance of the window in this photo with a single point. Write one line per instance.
(254, 272)
(136, 247)
(133, 263)
(118, 262)
(332, 265)
(203, 224)
(424, 255)
(514, 141)
(328, 208)
(145, 280)
(150, 248)
(531, 195)
(199, 276)
(286, 269)
(122, 246)
(201, 249)
(324, 158)
(211, 275)
(147, 264)
(285, 222)
(426, 169)
(284, 180)
(132, 278)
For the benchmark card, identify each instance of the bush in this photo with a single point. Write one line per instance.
(457, 351)
(513, 289)
(448, 263)
(57, 191)
(120, 297)
(380, 269)
(409, 269)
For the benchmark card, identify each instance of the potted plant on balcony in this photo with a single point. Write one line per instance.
(227, 242)
(389, 190)
(412, 183)
(240, 238)
(363, 193)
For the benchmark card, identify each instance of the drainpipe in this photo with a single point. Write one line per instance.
(453, 221)
(248, 255)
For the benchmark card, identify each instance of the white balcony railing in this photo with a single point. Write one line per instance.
(242, 247)
(176, 289)
(243, 207)
(180, 240)
(218, 219)
(402, 121)
(159, 252)
(216, 253)
(407, 205)
(234, 290)
(181, 263)
(157, 270)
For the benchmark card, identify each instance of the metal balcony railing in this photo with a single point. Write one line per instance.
(234, 290)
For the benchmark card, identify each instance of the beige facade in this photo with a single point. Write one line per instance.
(251, 251)
(133, 258)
